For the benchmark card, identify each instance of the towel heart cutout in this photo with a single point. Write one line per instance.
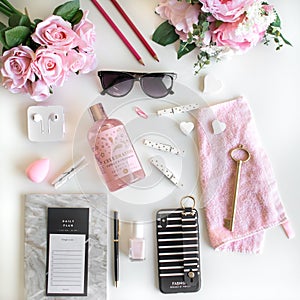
(186, 127)
(218, 126)
(38, 170)
(212, 84)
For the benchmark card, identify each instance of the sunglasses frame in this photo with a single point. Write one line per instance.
(136, 76)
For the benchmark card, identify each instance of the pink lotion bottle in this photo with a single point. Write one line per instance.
(113, 150)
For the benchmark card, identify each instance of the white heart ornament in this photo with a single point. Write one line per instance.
(212, 84)
(186, 127)
(218, 126)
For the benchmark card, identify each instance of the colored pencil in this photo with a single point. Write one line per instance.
(134, 28)
(118, 31)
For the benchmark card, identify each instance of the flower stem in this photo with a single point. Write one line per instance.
(10, 7)
(6, 11)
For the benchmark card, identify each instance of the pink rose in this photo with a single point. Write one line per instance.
(75, 60)
(55, 32)
(226, 10)
(81, 62)
(228, 34)
(16, 69)
(180, 14)
(39, 90)
(9, 84)
(85, 29)
(90, 62)
(51, 66)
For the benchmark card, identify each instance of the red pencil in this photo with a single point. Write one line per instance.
(117, 30)
(134, 28)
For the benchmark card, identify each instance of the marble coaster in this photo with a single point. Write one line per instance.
(36, 242)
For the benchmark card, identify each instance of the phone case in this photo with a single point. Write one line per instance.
(178, 250)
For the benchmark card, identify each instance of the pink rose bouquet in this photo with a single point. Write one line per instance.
(217, 28)
(39, 55)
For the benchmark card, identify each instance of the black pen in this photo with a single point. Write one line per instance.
(116, 247)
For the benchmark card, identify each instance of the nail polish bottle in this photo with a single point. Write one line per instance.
(137, 243)
(113, 150)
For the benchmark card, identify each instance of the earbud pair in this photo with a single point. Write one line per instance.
(38, 118)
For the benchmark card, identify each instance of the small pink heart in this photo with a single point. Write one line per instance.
(38, 170)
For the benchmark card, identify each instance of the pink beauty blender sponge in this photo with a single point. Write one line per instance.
(38, 170)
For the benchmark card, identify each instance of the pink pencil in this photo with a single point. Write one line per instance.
(117, 30)
(134, 28)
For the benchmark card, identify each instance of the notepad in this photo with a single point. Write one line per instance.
(35, 260)
(66, 266)
(67, 251)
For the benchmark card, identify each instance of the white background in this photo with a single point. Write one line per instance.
(270, 81)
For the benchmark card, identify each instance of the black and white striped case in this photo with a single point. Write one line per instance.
(178, 250)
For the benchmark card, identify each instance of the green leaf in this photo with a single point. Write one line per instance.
(2, 26)
(185, 48)
(67, 10)
(165, 34)
(16, 20)
(285, 40)
(37, 21)
(16, 36)
(77, 18)
(34, 24)
(276, 22)
(2, 39)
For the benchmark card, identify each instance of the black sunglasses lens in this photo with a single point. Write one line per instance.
(157, 85)
(116, 84)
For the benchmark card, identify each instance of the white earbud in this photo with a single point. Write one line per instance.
(52, 118)
(38, 118)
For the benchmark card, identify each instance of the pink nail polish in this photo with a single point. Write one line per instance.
(137, 243)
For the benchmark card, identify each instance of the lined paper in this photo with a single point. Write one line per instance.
(66, 263)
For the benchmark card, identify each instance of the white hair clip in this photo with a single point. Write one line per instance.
(158, 162)
(69, 172)
(163, 147)
(178, 109)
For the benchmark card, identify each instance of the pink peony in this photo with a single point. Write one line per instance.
(227, 34)
(16, 69)
(268, 8)
(51, 66)
(180, 14)
(39, 90)
(226, 10)
(55, 32)
(85, 29)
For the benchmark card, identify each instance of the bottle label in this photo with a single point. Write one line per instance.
(115, 154)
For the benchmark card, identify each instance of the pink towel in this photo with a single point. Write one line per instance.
(221, 128)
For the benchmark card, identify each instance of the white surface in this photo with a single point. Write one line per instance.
(270, 81)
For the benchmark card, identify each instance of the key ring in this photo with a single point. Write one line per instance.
(184, 207)
(240, 147)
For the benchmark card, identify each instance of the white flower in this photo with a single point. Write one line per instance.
(218, 52)
(258, 17)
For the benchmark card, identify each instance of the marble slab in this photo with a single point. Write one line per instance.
(36, 236)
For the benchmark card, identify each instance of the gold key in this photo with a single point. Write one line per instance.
(229, 223)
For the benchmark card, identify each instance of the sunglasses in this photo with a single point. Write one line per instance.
(119, 84)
